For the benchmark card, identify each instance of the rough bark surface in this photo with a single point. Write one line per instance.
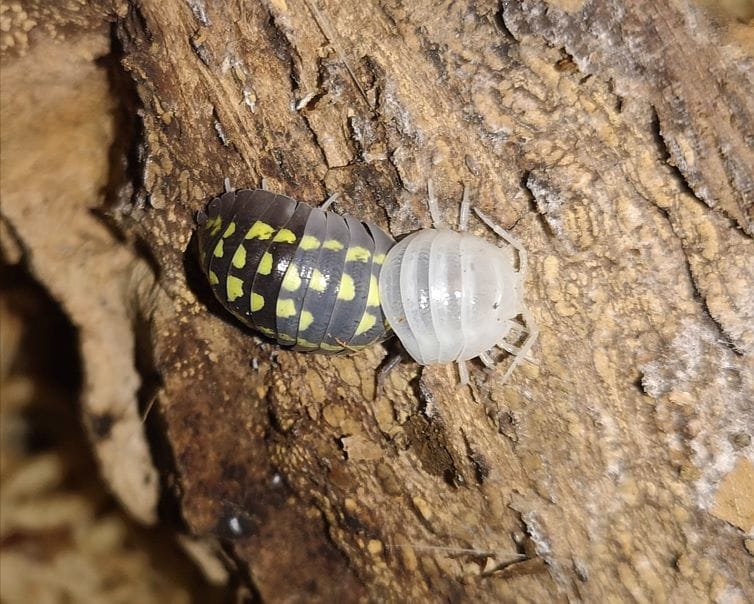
(614, 139)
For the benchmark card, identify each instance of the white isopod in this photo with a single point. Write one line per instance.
(450, 296)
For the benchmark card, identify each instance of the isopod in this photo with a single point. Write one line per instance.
(316, 281)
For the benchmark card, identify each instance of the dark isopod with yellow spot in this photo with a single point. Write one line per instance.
(303, 276)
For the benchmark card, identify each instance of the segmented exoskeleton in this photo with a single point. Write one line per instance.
(303, 276)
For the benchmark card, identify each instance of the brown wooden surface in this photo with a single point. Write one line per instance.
(614, 139)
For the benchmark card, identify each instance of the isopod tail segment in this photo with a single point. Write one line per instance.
(528, 325)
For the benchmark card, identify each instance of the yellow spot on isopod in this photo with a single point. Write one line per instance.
(332, 244)
(291, 281)
(219, 249)
(257, 302)
(230, 230)
(284, 337)
(239, 258)
(284, 236)
(305, 343)
(234, 285)
(379, 258)
(373, 297)
(265, 264)
(306, 319)
(260, 230)
(267, 331)
(357, 254)
(213, 280)
(309, 243)
(285, 308)
(347, 290)
(318, 282)
(366, 323)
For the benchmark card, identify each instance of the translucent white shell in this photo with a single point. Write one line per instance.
(449, 296)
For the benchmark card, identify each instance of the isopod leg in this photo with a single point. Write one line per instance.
(531, 336)
(508, 238)
(463, 218)
(228, 186)
(434, 208)
(463, 372)
(508, 347)
(515, 331)
(328, 202)
(486, 360)
(390, 364)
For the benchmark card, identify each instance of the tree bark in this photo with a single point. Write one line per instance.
(614, 139)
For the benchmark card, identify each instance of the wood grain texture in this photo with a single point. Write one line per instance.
(612, 138)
